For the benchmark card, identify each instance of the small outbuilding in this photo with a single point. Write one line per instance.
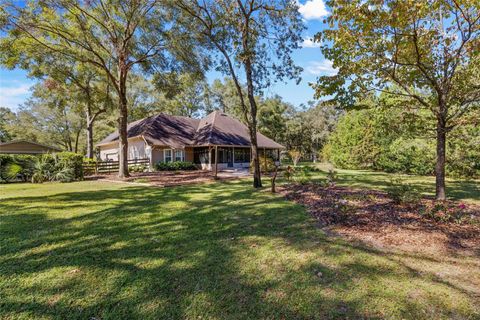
(25, 147)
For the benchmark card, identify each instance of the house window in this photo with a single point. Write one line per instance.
(167, 154)
(179, 155)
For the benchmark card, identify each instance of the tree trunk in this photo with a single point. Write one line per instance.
(89, 136)
(122, 125)
(440, 193)
(77, 139)
(122, 139)
(252, 125)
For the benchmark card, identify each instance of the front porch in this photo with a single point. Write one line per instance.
(216, 158)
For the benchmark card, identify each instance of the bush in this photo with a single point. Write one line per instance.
(175, 165)
(445, 212)
(303, 175)
(14, 167)
(27, 163)
(403, 193)
(138, 168)
(266, 164)
(62, 166)
(411, 156)
(71, 161)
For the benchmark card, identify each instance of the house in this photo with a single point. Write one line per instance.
(25, 147)
(166, 138)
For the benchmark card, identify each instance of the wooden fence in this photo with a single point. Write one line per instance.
(100, 167)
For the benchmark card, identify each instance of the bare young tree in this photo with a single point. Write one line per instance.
(254, 40)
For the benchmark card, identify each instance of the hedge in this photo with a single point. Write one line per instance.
(175, 165)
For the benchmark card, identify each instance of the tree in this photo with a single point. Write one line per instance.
(272, 118)
(224, 97)
(6, 115)
(424, 51)
(112, 37)
(321, 120)
(85, 85)
(50, 117)
(254, 40)
(185, 94)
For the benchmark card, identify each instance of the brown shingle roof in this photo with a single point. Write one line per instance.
(217, 128)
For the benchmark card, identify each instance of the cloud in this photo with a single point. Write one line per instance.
(309, 43)
(14, 93)
(324, 67)
(313, 10)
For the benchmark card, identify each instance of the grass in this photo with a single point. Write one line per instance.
(465, 190)
(89, 250)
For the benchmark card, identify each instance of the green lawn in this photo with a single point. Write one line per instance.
(88, 250)
(465, 190)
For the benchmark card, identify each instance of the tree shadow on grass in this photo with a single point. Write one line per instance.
(212, 251)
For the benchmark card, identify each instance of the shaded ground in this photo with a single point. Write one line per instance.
(175, 178)
(465, 190)
(93, 250)
(372, 217)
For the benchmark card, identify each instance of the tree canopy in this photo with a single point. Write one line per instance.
(424, 51)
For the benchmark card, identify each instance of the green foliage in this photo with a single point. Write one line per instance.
(332, 177)
(138, 168)
(266, 164)
(444, 211)
(62, 166)
(71, 161)
(175, 165)
(14, 167)
(288, 173)
(398, 141)
(6, 115)
(402, 192)
(303, 175)
(412, 156)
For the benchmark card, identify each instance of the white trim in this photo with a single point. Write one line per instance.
(165, 155)
(182, 154)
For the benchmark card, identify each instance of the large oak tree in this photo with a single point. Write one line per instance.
(422, 50)
(111, 36)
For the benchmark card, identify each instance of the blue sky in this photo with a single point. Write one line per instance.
(15, 85)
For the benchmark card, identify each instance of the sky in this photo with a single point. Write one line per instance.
(15, 85)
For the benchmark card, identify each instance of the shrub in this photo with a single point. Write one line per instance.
(303, 176)
(331, 178)
(138, 168)
(411, 156)
(288, 173)
(62, 166)
(266, 164)
(72, 161)
(175, 165)
(27, 163)
(445, 212)
(403, 193)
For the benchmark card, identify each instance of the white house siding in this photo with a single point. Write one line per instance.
(109, 152)
(136, 150)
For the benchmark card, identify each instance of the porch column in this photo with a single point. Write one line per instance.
(216, 161)
(210, 158)
(265, 159)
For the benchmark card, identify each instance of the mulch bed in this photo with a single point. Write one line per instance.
(372, 217)
(169, 178)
